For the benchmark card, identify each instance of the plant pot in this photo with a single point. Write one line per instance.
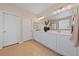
(46, 29)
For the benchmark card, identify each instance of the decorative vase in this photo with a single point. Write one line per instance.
(46, 29)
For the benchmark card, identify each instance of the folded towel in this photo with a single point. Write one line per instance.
(75, 33)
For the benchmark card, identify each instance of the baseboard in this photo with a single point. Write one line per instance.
(26, 40)
(9, 45)
(15, 43)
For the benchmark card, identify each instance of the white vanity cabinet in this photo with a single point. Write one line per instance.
(77, 51)
(50, 40)
(58, 42)
(37, 36)
(47, 39)
(65, 45)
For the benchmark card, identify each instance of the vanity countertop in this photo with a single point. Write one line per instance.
(61, 32)
(68, 33)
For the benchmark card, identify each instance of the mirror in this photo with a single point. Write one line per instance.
(62, 24)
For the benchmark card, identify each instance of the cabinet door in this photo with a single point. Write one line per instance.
(11, 29)
(1, 30)
(35, 36)
(47, 39)
(50, 40)
(77, 50)
(39, 36)
(65, 45)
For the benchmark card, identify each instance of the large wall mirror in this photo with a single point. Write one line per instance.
(54, 24)
(61, 24)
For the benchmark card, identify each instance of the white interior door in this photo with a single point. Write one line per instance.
(12, 29)
(27, 29)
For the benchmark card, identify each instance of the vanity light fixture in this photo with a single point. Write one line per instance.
(41, 18)
(62, 9)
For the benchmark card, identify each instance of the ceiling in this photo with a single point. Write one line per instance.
(39, 8)
(36, 8)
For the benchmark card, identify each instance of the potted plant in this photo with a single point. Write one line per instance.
(46, 28)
